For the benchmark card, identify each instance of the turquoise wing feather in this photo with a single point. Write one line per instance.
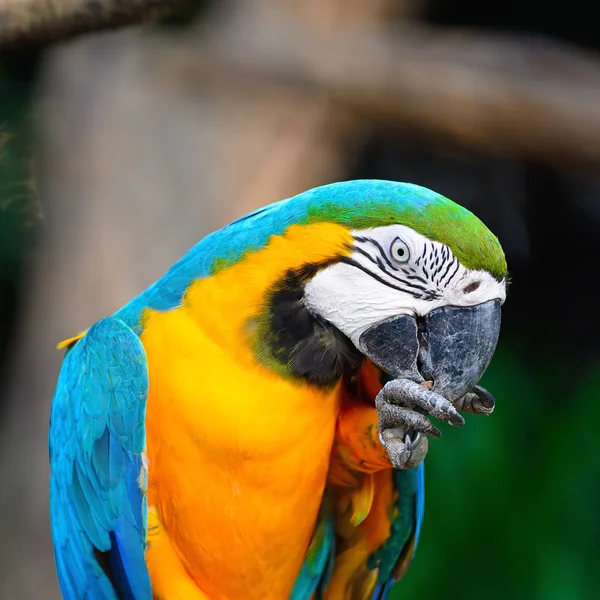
(320, 556)
(97, 437)
(394, 557)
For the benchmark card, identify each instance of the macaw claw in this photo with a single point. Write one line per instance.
(417, 396)
(405, 452)
(478, 401)
(402, 406)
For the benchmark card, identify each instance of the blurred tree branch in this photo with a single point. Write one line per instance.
(501, 94)
(24, 22)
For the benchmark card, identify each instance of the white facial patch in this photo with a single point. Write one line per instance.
(394, 271)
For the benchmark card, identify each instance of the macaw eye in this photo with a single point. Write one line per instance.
(399, 251)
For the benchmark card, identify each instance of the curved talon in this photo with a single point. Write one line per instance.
(413, 443)
(486, 399)
(478, 401)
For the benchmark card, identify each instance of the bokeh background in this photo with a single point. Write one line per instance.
(119, 150)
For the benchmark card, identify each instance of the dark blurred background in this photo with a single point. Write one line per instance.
(118, 151)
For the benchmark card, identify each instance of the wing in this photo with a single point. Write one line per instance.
(355, 570)
(97, 480)
(395, 555)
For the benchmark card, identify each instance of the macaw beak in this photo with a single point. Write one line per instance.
(451, 346)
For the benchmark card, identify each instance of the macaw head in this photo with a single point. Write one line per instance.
(415, 283)
(420, 290)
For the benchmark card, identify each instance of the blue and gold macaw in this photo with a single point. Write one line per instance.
(254, 424)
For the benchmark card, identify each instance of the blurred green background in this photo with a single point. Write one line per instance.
(118, 151)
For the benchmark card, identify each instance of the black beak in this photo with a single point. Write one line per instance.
(451, 346)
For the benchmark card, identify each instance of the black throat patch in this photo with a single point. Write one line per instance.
(302, 345)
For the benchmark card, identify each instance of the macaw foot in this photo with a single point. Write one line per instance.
(478, 401)
(401, 407)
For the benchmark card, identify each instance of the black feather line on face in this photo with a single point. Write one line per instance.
(305, 346)
(404, 276)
